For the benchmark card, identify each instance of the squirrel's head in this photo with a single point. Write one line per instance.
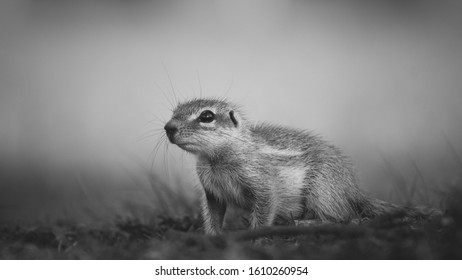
(200, 126)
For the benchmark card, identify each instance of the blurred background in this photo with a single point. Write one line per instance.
(86, 87)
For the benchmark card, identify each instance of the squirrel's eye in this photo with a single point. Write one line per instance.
(207, 116)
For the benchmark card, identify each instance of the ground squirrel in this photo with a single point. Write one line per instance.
(272, 171)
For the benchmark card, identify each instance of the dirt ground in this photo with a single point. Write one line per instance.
(393, 236)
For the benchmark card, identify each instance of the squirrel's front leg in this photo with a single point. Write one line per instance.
(213, 212)
(263, 212)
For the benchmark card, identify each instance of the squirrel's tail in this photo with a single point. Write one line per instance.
(379, 207)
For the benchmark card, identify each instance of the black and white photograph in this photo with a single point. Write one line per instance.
(231, 130)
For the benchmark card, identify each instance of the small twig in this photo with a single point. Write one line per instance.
(71, 247)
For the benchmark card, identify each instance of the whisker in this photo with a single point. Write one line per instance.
(171, 83)
(157, 118)
(155, 150)
(144, 137)
(172, 103)
(200, 84)
(182, 158)
(155, 123)
(229, 88)
(151, 132)
(165, 160)
(156, 130)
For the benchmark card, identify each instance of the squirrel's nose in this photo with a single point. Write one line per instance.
(171, 128)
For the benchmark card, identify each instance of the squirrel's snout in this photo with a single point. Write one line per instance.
(171, 128)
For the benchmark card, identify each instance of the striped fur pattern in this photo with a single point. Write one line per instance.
(272, 171)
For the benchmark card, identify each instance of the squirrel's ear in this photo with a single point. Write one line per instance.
(233, 118)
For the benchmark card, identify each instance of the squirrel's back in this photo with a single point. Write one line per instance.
(330, 185)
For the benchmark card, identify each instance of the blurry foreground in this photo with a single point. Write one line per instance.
(388, 237)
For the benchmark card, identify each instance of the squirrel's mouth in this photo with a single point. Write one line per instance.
(189, 147)
(185, 145)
